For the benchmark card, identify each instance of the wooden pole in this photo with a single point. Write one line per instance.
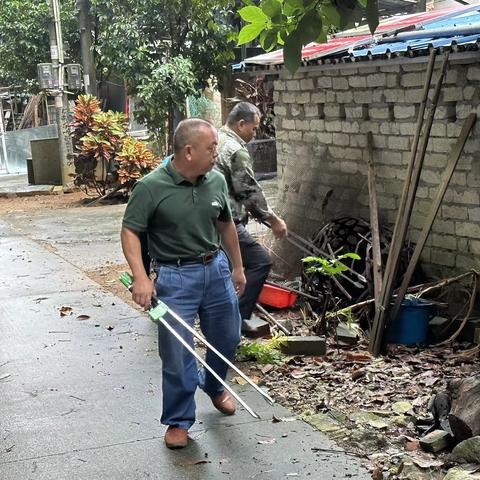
(374, 227)
(442, 188)
(404, 212)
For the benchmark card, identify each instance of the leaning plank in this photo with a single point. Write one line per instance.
(442, 188)
(372, 195)
(404, 211)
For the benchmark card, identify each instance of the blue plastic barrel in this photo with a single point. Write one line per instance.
(411, 325)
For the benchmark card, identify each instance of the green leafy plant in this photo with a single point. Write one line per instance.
(290, 24)
(168, 85)
(135, 160)
(268, 352)
(165, 51)
(106, 158)
(328, 267)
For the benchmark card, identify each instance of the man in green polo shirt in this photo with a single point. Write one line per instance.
(183, 207)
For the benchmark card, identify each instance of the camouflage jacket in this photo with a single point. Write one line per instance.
(246, 195)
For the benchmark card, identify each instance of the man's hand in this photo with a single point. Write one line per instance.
(142, 291)
(239, 281)
(279, 227)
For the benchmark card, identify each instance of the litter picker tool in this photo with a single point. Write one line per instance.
(157, 314)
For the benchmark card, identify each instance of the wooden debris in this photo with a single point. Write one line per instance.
(464, 416)
(442, 188)
(372, 195)
(406, 205)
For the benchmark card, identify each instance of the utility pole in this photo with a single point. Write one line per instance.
(61, 100)
(88, 64)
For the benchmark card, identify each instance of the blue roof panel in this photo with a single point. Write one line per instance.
(402, 46)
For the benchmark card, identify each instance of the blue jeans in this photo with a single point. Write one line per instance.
(206, 290)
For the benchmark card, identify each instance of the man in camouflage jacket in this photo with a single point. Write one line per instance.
(246, 198)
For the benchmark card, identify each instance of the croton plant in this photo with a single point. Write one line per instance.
(107, 159)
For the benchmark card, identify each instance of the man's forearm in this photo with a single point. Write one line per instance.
(132, 250)
(230, 244)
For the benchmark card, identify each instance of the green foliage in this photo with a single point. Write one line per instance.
(24, 40)
(328, 267)
(169, 84)
(106, 158)
(150, 42)
(294, 23)
(268, 352)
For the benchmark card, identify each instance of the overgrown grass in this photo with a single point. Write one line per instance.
(266, 352)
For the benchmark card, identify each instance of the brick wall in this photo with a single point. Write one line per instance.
(323, 115)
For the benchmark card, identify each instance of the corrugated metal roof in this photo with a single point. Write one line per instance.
(463, 30)
(358, 43)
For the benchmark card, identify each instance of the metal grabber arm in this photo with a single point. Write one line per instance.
(157, 313)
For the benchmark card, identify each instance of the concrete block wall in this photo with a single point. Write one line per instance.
(322, 117)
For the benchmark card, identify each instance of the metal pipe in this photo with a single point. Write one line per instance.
(214, 350)
(205, 364)
(272, 320)
(127, 280)
(433, 33)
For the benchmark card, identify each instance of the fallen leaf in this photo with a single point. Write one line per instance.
(425, 461)
(110, 328)
(412, 446)
(298, 373)
(266, 368)
(276, 419)
(239, 380)
(363, 357)
(369, 418)
(64, 311)
(358, 373)
(402, 407)
(83, 317)
(266, 442)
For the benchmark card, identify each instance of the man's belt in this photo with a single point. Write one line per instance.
(207, 258)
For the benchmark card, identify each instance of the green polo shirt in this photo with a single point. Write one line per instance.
(180, 217)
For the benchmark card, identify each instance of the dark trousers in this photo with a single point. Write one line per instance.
(257, 264)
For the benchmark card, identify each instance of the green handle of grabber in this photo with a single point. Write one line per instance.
(126, 279)
(159, 309)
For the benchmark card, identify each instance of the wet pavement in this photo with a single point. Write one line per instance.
(80, 393)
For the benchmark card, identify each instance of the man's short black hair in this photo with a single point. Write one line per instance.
(243, 111)
(187, 130)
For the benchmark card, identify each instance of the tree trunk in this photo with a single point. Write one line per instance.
(88, 62)
(464, 416)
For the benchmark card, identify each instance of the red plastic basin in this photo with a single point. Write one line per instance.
(277, 297)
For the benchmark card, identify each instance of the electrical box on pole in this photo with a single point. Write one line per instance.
(74, 76)
(46, 76)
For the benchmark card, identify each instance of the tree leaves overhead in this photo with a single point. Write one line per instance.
(24, 40)
(295, 23)
(166, 49)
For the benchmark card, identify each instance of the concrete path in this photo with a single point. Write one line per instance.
(80, 394)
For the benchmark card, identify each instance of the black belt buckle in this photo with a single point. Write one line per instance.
(207, 258)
